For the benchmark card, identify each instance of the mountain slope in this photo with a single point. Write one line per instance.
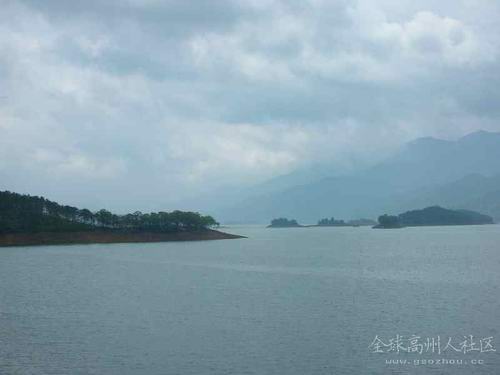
(417, 172)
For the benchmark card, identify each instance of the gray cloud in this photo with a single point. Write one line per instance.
(143, 104)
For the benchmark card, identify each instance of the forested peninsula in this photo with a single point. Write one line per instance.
(31, 220)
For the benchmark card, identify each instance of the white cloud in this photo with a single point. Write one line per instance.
(167, 99)
(430, 38)
(367, 47)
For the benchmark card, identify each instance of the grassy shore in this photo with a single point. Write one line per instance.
(69, 238)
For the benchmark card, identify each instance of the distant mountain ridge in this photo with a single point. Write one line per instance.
(460, 174)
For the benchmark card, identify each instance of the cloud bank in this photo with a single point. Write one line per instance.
(144, 104)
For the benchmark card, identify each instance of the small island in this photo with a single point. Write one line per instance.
(331, 222)
(388, 222)
(433, 216)
(29, 220)
(283, 222)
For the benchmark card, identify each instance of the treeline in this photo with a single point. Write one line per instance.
(332, 222)
(283, 222)
(25, 213)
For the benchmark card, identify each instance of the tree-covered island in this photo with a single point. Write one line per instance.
(31, 220)
(283, 222)
(433, 216)
(331, 222)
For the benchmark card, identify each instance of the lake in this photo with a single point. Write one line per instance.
(283, 301)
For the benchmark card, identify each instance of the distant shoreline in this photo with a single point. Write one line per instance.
(317, 226)
(107, 237)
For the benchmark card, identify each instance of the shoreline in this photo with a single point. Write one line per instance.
(107, 237)
(318, 226)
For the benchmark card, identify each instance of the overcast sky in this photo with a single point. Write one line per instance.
(141, 104)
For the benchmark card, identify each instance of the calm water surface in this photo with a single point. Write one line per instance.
(284, 301)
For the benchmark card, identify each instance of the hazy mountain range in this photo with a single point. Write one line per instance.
(457, 174)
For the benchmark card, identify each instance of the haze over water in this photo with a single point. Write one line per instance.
(283, 301)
